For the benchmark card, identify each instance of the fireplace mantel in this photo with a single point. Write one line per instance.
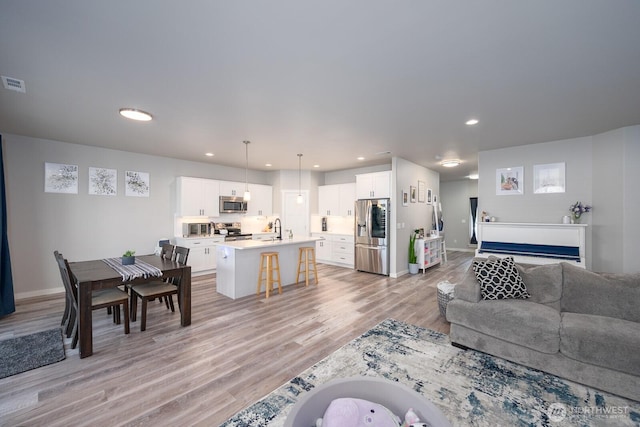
(533, 243)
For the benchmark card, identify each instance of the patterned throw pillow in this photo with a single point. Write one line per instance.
(499, 279)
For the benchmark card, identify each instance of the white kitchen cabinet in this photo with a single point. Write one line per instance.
(329, 199)
(376, 185)
(335, 249)
(230, 188)
(323, 248)
(261, 202)
(202, 253)
(342, 249)
(336, 199)
(347, 199)
(197, 197)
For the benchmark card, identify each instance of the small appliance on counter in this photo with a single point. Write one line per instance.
(231, 231)
(324, 223)
(196, 229)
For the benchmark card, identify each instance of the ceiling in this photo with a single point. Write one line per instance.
(333, 80)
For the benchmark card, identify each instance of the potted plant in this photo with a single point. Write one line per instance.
(413, 259)
(577, 209)
(128, 258)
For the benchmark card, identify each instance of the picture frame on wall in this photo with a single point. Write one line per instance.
(60, 178)
(549, 178)
(510, 181)
(421, 192)
(412, 193)
(136, 184)
(405, 198)
(429, 196)
(103, 181)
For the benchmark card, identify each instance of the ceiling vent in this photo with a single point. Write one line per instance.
(14, 84)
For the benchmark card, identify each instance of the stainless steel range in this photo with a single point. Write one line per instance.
(231, 230)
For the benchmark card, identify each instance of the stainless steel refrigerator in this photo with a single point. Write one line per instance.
(372, 236)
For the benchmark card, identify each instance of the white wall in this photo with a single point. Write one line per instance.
(456, 212)
(82, 226)
(405, 219)
(616, 229)
(600, 170)
(631, 201)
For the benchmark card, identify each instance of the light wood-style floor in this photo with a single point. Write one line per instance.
(234, 352)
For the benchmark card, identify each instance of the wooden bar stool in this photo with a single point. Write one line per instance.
(269, 263)
(307, 254)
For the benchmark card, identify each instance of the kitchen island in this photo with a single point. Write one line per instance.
(238, 263)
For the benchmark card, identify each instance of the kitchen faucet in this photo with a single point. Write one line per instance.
(277, 227)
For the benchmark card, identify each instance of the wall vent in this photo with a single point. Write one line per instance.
(14, 84)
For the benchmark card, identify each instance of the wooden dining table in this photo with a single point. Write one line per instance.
(96, 274)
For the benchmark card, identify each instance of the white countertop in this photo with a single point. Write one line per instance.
(261, 244)
(211, 236)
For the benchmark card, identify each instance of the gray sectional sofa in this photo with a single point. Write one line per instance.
(576, 324)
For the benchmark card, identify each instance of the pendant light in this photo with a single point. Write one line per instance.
(299, 199)
(247, 194)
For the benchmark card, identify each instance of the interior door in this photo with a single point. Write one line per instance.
(295, 215)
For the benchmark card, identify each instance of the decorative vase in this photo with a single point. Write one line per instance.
(575, 219)
(128, 260)
(413, 268)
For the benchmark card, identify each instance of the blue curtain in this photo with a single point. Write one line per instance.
(474, 215)
(7, 302)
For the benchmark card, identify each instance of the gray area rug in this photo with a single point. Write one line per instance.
(32, 351)
(469, 387)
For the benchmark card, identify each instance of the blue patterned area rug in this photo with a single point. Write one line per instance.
(469, 387)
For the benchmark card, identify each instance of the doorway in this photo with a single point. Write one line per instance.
(295, 216)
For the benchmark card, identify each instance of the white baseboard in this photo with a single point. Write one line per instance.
(40, 293)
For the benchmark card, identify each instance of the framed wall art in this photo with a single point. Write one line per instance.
(405, 198)
(136, 184)
(549, 178)
(103, 182)
(510, 181)
(429, 196)
(60, 178)
(412, 193)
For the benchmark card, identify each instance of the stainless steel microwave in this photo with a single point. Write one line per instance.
(230, 204)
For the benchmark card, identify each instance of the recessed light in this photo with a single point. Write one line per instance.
(133, 114)
(268, 165)
(208, 154)
(473, 176)
(360, 158)
(451, 163)
(472, 122)
(316, 166)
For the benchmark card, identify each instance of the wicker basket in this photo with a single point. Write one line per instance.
(445, 294)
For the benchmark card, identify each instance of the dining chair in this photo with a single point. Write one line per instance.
(113, 297)
(166, 252)
(157, 289)
(69, 309)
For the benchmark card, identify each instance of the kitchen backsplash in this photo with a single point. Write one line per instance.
(335, 224)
